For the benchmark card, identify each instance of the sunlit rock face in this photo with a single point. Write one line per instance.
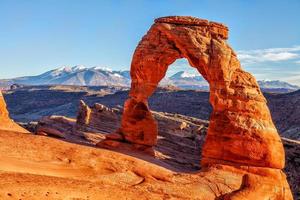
(5, 122)
(241, 132)
(241, 129)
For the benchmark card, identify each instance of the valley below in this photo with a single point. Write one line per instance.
(31, 103)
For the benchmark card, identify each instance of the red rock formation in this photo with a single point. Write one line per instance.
(98, 118)
(5, 122)
(241, 132)
(83, 117)
(56, 126)
(241, 128)
(179, 143)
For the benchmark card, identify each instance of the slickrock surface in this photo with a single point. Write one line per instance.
(5, 122)
(62, 170)
(180, 140)
(67, 171)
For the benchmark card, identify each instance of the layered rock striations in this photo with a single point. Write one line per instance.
(241, 132)
(97, 118)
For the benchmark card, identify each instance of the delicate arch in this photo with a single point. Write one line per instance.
(241, 129)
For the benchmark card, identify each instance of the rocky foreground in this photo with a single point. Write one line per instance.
(70, 166)
(59, 169)
(180, 137)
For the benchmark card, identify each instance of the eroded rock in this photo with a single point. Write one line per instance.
(241, 131)
(84, 113)
(98, 118)
(178, 147)
(56, 126)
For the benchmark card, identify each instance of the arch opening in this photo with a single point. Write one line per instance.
(181, 75)
(181, 137)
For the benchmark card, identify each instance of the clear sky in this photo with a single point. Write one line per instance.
(39, 35)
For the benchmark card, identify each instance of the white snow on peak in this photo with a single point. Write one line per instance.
(78, 68)
(117, 75)
(63, 68)
(187, 75)
(102, 68)
(66, 68)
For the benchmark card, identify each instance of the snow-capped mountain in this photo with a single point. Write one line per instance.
(187, 80)
(100, 76)
(77, 75)
(184, 75)
(277, 84)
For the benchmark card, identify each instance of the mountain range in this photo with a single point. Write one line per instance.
(99, 76)
(77, 75)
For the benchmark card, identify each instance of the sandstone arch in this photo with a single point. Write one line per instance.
(241, 129)
(241, 137)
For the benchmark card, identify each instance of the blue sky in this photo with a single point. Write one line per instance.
(36, 36)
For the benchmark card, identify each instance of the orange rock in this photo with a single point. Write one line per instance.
(141, 128)
(241, 131)
(84, 113)
(98, 118)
